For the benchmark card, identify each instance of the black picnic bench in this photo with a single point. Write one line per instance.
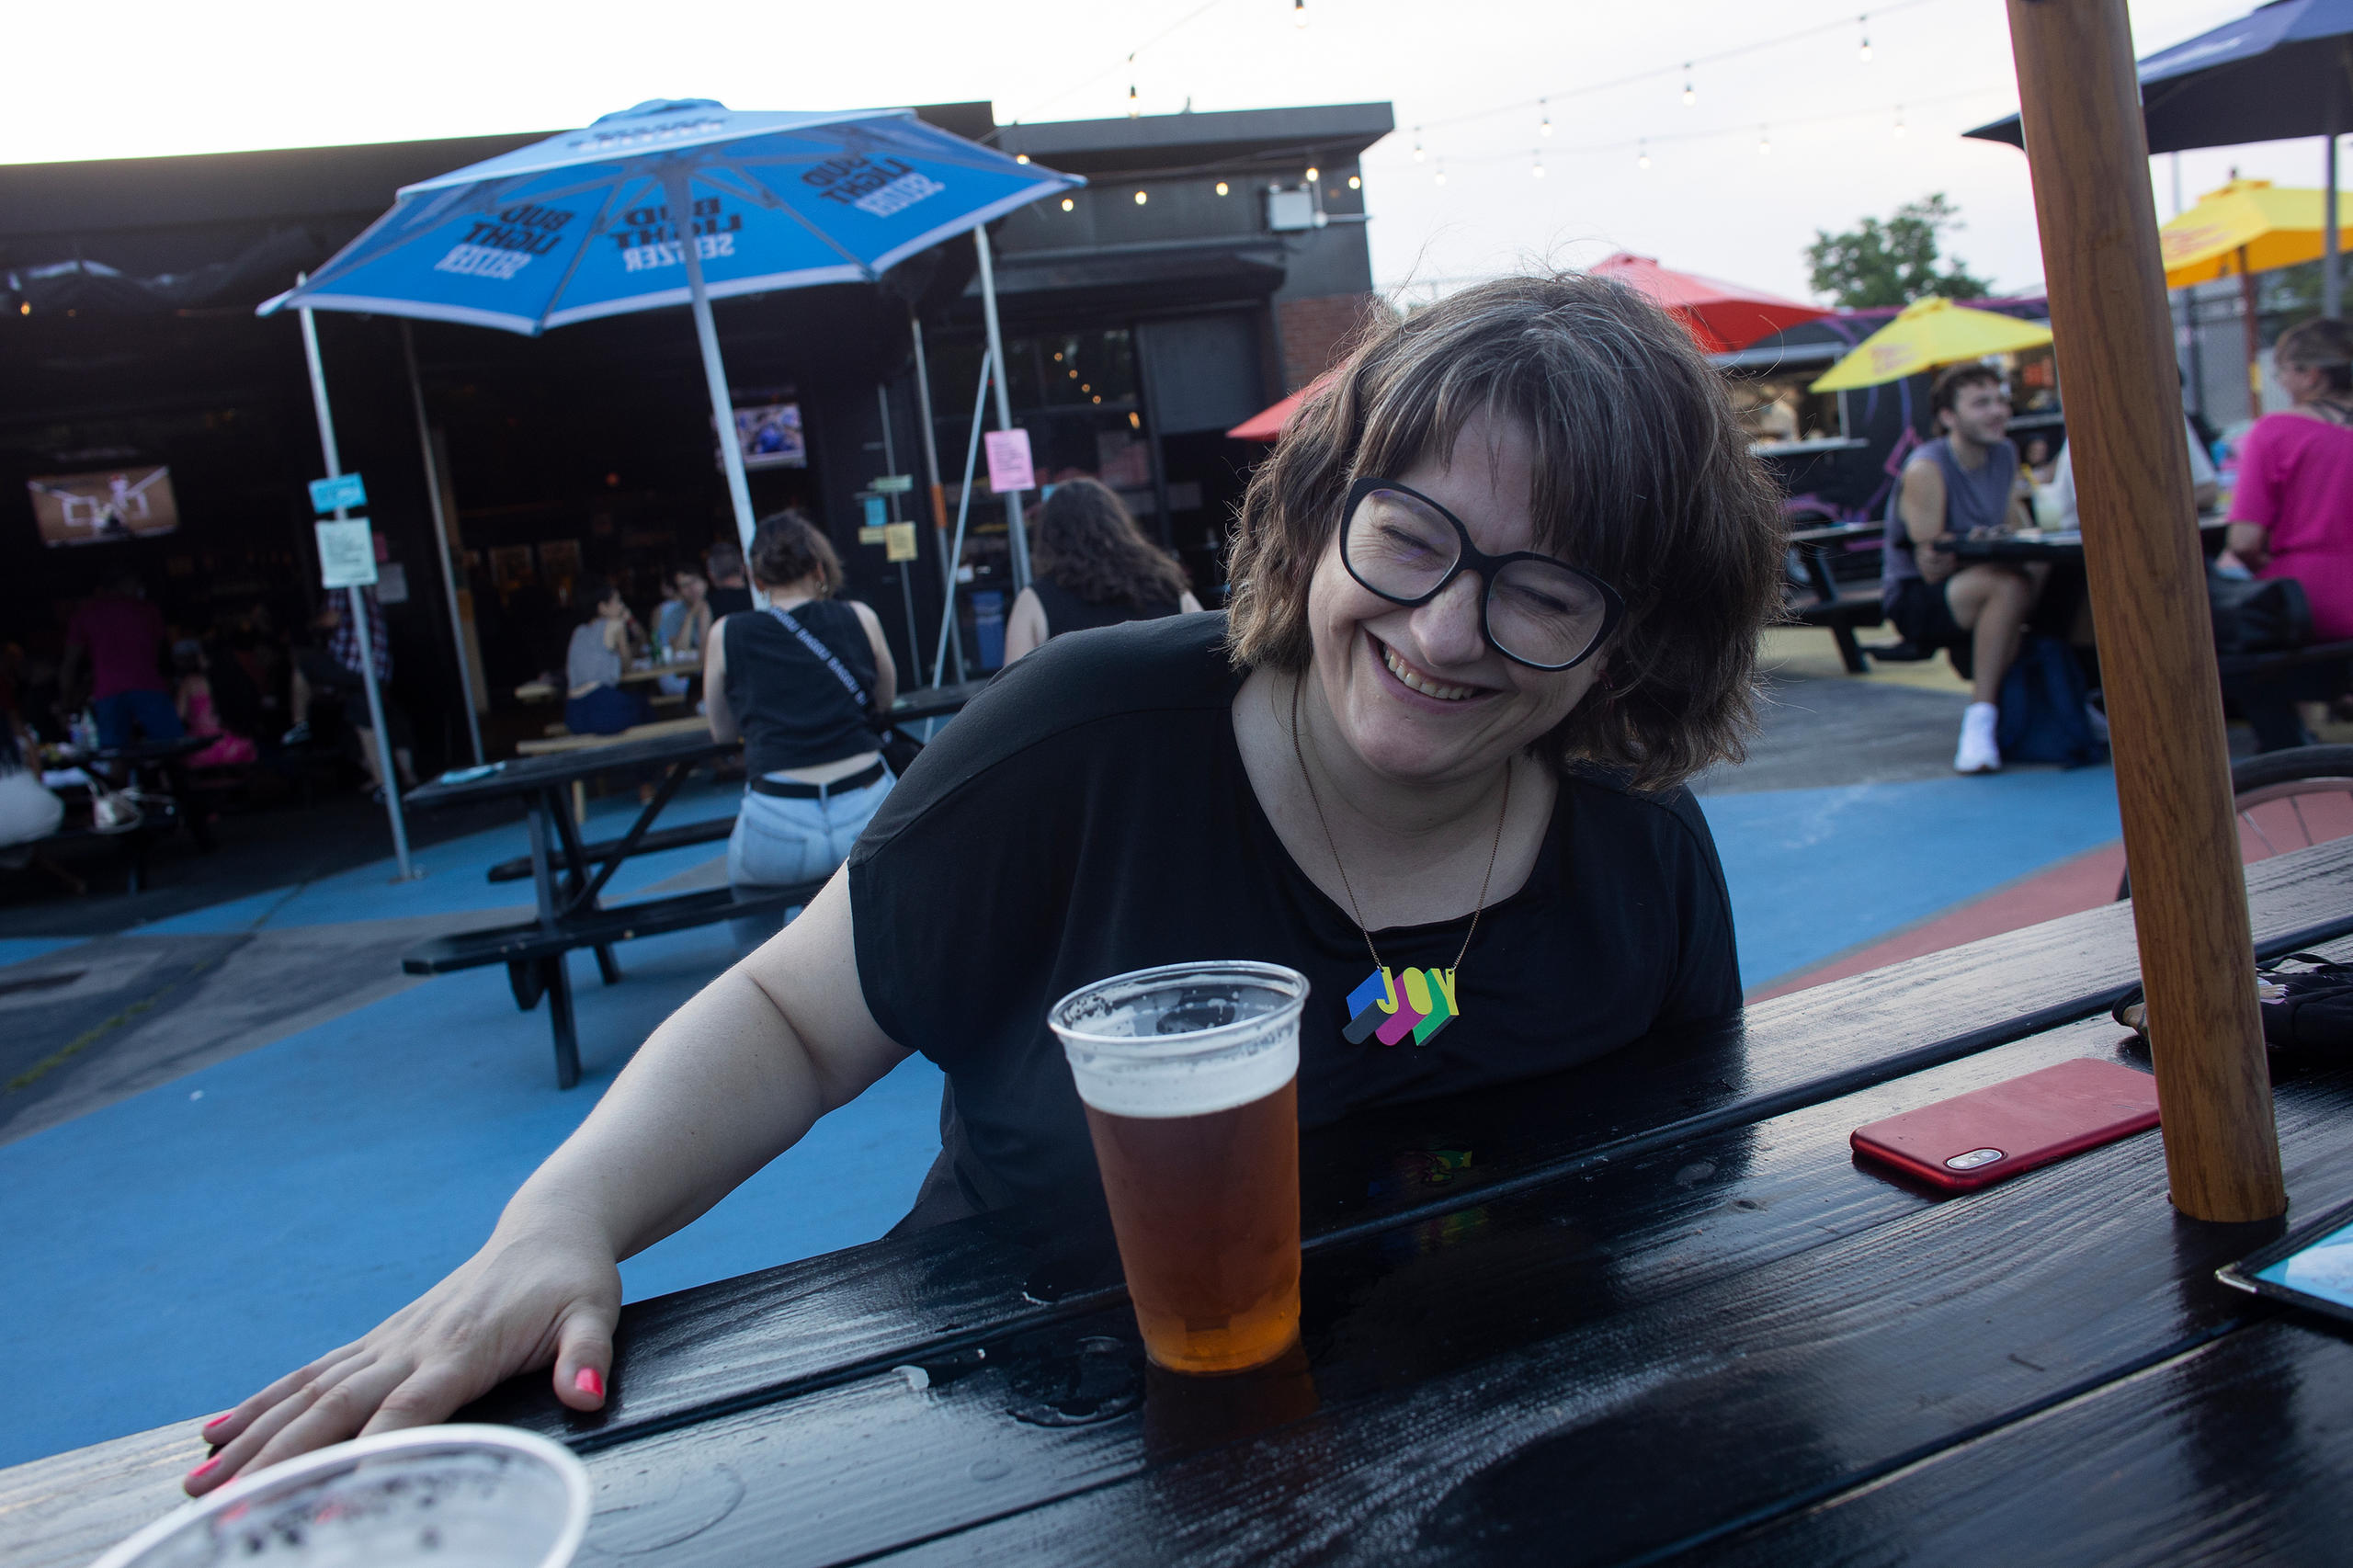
(569, 876)
(1818, 600)
(1650, 1311)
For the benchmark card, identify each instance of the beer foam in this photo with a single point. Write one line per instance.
(1134, 1049)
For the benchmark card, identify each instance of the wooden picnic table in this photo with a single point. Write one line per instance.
(2056, 545)
(1651, 1309)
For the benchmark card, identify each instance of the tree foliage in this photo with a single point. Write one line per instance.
(1893, 263)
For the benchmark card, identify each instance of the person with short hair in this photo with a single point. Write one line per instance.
(728, 593)
(596, 703)
(1964, 482)
(118, 636)
(1091, 566)
(685, 618)
(806, 683)
(1498, 593)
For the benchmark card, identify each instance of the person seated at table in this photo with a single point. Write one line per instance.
(1092, 567)
(723, 566)
(118, 638)
(28, 810)
(1964, 482)
(805, 683)
(194, 699)
(2291, 515)
(2204, 485)
(595, 703)
(684, 620)
(1498, 592)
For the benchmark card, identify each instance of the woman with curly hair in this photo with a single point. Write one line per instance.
(1093, 568)
(1497, 594)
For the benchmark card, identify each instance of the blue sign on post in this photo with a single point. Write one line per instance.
(344, 490)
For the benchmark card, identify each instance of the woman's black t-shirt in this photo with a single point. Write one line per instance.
(1088, 814)
(1066, 612)
(793, 710)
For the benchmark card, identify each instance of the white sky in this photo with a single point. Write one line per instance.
(236, 75)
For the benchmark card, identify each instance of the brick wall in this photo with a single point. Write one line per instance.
(1316, 331)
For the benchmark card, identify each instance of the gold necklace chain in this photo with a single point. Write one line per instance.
(1355, 911)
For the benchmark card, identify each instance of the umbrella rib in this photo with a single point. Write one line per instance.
(819, 234)
(580, 252)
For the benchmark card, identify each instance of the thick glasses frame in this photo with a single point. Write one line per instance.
(1470, 557)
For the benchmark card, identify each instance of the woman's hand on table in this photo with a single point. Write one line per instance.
(546, 1294)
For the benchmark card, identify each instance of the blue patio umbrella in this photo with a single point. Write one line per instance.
(677, 202)
(597, 222)
(2283, 70)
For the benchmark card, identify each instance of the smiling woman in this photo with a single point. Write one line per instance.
(1499, 591)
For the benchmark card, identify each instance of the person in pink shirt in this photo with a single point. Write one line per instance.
(117, 637)
(2291, 514)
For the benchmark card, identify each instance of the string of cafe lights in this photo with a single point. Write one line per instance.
(1893, 115)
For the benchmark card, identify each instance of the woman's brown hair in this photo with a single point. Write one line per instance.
(1643, 477)
(787, 547)
(1086, 541)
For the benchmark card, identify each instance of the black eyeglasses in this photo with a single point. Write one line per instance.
(1537, 611)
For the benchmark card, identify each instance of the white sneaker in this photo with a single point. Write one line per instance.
(1978, 753)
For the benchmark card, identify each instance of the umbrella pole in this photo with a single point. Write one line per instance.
(964, 508)
(714, 369)
(2088, 150)
(906, 590)
(1015, 528)
(357, 609)
(2248, 305)
(939, 496)
(2331, 281)
(441, 537)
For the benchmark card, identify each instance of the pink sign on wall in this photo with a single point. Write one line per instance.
(1009, 468)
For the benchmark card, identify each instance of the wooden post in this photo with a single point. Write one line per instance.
(2088, 153)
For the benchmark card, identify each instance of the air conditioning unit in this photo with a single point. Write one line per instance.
(1291, 211)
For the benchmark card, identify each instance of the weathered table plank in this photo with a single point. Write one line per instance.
(2240, 1450)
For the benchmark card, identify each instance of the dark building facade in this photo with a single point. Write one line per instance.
(1137, 332)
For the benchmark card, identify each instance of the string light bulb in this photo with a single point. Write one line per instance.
(1642, 154)
(1418, 143)
(1134, 106)
(1355, 182)
(1314, 174)
(1299, 13)
(1864, 22)
(1441, 171)
(1545, 126)
(1764, 140)
(1142, 198)
(1021, 157)
(1222, 187)
(1068, 204)
(1691, 97)
(1536, 170)
(1899, 120)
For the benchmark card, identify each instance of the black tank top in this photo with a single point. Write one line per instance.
(794, 712)
(1065, 611)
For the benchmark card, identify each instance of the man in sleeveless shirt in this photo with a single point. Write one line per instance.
(1964, 482)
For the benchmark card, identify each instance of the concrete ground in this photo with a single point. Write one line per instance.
(232, 1135)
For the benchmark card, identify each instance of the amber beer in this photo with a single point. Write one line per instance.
(1189, 1076)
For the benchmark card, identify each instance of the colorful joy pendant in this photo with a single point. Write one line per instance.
(1419, 1002)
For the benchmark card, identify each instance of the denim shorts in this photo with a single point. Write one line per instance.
(779, 841)
(150, 712)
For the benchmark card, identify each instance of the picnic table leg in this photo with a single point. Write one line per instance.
(1849, 651)
(607, 968)
(567, 1040)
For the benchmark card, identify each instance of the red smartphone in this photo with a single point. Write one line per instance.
(1987, 1135)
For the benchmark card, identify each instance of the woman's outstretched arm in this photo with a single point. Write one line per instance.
(729, 1081)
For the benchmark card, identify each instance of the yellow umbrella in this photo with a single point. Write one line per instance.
(1930, 332)
(2250, 225)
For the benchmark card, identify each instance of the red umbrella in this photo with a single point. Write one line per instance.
(1722, 316)
(1268, 424)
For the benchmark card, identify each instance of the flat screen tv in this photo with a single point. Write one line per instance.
(96, 508)
(769, 435)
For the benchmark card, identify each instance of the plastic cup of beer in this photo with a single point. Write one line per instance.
(1189, 1076)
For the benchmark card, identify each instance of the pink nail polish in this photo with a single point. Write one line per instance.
(588, 1383)
(200, 1472)
(218, 1420)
